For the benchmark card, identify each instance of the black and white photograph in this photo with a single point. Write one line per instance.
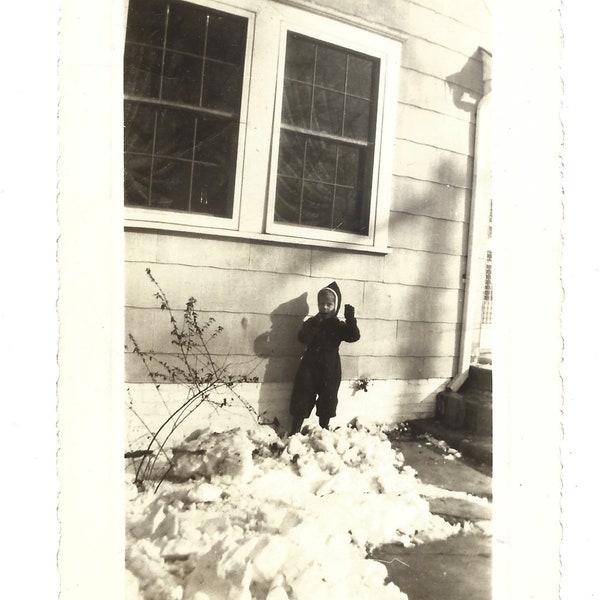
(308, 300)
(290, 301)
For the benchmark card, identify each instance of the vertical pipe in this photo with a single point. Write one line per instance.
(478, 227)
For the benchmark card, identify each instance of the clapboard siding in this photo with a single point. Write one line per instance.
(430, 163)
(408, 302)
(268, 336)
(195, 251)
(470, 13)
(430, 23)
(413, 303)
(423, 126)
(141, 324)
(281, 369)
(344, 265)
(424, 269)
(410, 367)
(140, 246)
(432, 93)
(444, 64)
(251, 334)
(404, 339)
(280, 259)
(415, 232)
(430, 199)
(179, 282)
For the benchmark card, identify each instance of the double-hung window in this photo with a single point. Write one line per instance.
(184, 72)
(327, 136)
(262, 119)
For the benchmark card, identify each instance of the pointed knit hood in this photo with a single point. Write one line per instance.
(335, 290)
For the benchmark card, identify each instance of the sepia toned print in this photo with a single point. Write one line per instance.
(270, 148)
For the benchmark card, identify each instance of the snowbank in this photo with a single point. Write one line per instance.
(252, 517)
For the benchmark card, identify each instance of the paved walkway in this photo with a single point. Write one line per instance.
(459, 568)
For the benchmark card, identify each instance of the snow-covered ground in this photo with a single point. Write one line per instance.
(255, 517)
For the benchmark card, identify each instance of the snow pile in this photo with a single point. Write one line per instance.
(253, 517)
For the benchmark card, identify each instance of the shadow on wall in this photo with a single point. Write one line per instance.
(467, 89)
(467, 84)
(282, 351)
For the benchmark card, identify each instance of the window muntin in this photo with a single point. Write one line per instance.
(183, 81)
(327, 138)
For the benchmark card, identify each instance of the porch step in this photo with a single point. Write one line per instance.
(479, 380)
(469, 409)
(472, 413)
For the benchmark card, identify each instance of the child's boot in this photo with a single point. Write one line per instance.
(324, 422)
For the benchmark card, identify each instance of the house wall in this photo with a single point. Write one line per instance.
(408, 302)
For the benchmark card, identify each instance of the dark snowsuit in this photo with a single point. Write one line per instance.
(320, 373)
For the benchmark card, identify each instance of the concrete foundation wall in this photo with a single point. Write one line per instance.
(383, 402)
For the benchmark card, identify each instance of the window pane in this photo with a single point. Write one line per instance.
(146, 21)
(360, 76)
(221, 89)
(182, 78)
(139, 127)
(210, 193)
(328, 112)
(288, 200)
(320, 160)
(291, 154)
(347, 212)
(139, 139)
(226, 38)
(142, 70)
(348, 165)
(214, 166)
(356, 118)
(175, 134)
(331, 68)
(137, 180)
(296, 104)
(216, 141)
(300, 59)
(170, 184)
(317, 204)
(187, 28)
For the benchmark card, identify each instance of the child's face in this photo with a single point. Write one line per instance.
(326, 304)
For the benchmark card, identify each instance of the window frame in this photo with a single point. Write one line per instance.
(143, 215)
(260, 125)
(303, 231)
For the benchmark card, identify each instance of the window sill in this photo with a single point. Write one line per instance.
(139, 225)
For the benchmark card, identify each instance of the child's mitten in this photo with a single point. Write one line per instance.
(349, 312)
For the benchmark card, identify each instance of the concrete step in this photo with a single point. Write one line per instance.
(479, 417)
(480, 378)
(474, 394)
(472, 412)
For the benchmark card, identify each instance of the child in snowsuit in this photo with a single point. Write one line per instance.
(319, 374)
